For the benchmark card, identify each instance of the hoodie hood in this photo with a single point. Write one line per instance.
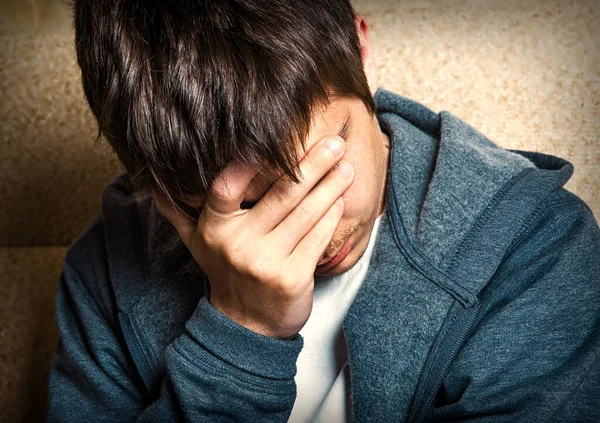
(447, 174)
(448, 187)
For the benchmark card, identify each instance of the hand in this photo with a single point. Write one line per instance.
(261, 261)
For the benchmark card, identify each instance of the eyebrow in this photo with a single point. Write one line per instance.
(345, 126)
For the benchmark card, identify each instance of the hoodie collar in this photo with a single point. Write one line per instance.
(446, 180)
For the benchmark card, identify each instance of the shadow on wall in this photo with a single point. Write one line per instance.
(52, 174)
(28, 329)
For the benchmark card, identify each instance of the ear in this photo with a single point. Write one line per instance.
(368, 59)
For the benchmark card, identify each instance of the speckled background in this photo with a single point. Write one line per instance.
(525, 73)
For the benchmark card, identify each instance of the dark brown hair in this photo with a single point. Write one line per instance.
(181, 87)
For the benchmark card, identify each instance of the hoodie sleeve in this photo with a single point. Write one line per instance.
(216, 370)
(534, 353)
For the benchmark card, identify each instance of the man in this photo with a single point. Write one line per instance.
(292, 242)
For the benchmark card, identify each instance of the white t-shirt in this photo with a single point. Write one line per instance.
(322, 378)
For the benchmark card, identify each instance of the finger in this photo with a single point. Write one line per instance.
(228, 188)
(311, 248)
(312, 208)
(259, 186)
(285, 195)
(183, 224)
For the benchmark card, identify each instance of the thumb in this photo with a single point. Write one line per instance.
(183, 224)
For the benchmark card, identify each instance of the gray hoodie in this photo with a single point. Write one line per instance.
(482, 301)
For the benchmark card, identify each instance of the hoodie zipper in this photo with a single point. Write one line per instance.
(135, 350)
(448, 351)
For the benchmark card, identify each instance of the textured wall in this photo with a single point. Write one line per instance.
(526, 73)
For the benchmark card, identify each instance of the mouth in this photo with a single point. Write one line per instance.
(337, 259)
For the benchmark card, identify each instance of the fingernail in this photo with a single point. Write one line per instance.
(346, 168)
(334, 145)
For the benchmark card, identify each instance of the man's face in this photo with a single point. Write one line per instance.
(367, 149)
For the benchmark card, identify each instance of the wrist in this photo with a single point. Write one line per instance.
(250, 323)
(224, 339)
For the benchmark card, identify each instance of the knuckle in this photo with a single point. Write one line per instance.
(283, 284)
(313, 162)
(335, 182)
(235, 255)
(269, 274)
(220, 190)
(316, 239)
(292, 286)
(303, 214)
(262, 271)
(206, 239)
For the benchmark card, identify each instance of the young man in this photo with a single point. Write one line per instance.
(292, 242)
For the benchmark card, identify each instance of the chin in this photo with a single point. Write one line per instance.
(351, 259)
(356, 244)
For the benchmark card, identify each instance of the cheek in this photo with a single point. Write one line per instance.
(352, 201)
(360, 196)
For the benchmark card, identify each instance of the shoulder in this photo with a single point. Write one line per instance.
(89, 247)
(129, 250)
(535, 345)
(564, 229)
(86, 277)
(543, 304)
(553, 262)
